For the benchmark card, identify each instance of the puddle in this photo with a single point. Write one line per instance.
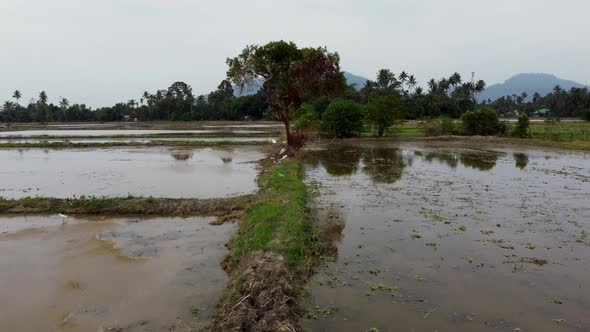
(157, 172)
(453, 238)
(89, 275)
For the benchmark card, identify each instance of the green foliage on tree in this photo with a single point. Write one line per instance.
(289, 74)
(484, 122)
(522, 127)
(383, 111)
(343, 118)
(306, 118)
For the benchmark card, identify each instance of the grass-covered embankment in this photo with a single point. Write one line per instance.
(271, 256)
(222, 208)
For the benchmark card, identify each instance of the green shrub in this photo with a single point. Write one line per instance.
(343, 118)
(306, 118)
(522, 127)
(484, 122)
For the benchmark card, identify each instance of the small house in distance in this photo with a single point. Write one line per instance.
(542, 112)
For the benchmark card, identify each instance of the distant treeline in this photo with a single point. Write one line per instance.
(177, 103)
(560, 103)
(449, 97)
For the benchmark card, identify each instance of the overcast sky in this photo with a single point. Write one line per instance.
(100, 52)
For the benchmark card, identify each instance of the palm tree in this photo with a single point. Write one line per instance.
(369, 87)
(419, 91)
(64, 103)
(455, 80)
(444, 85)
(385, 78)
(17, 95)
(432, 86)
(480, 86)
(42, 104)
(403, 76)
(411, 82)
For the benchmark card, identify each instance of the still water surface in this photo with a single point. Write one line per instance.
(453, 238)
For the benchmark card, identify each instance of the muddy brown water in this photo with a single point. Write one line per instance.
(66, 274)
(447, 237)
(157, 172)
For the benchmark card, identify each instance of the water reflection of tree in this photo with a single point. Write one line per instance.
(479, 161)
(383, 165)
(483, 161)
(521, 159)
(449, 159)
(338, 160)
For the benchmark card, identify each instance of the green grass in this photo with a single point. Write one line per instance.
(563, 131)
(279, 221)
(567, 134)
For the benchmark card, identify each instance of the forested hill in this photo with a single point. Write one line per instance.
(529, 84)
(253, 87)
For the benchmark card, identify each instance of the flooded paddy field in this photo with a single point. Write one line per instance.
(129, 274)
(219, 128)
(157, 172)
(452, 237)
(141, 140)
(127, 132)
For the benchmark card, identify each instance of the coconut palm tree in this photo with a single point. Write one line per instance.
(17, 95)
(64, 103)
(432, 86)
(42, 105)
(480, 86)
(455, 80)
(403, 76)
(444, 85)
(411, 82)
(385, 79)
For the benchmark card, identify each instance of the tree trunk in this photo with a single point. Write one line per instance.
(380, 131)
(288, 131)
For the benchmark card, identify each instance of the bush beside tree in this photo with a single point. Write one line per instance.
(342, 118)
(522, 127)
(483, 122)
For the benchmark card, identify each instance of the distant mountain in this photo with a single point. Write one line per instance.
(253, 87)
(529, 83)
(357, 81)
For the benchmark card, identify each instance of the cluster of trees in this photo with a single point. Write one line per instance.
(386, 100)
(41, 111)
(562, 103)
(175, 103)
